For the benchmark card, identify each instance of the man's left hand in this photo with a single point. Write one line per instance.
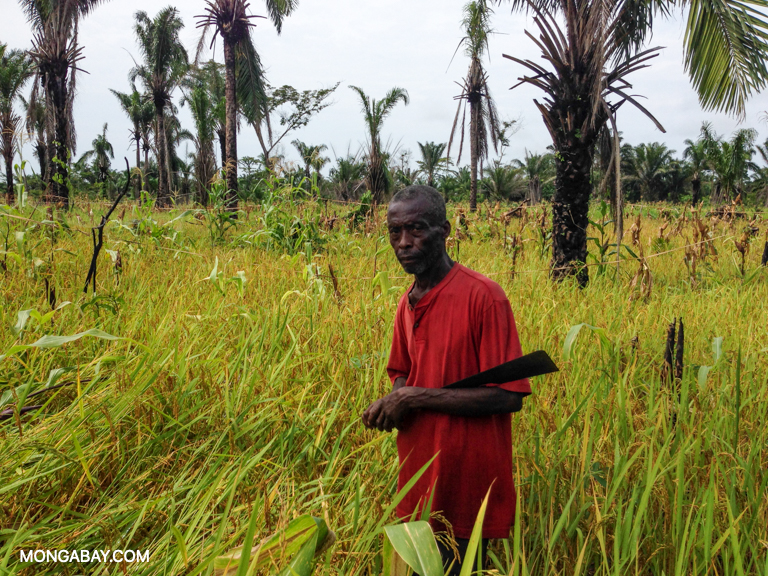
(389, 412)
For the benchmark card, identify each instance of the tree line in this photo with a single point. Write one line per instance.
(590, 50)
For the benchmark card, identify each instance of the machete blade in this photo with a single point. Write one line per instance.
(534, 364)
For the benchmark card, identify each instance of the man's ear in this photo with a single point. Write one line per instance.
(446, 229)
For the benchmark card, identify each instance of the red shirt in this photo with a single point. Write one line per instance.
(463, 326)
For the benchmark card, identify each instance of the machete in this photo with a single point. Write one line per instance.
(533, 364)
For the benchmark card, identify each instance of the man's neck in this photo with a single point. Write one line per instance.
(430, 278)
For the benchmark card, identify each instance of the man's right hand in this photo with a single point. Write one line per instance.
(388, 412)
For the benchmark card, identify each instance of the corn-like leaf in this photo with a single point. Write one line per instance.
(416, 545)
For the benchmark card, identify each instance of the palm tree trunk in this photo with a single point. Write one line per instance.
(570, 209)
(8, 157)
(163, 194)
(58, 173)
(473, 122)
(695, 189)
(231, 126)
(137, 182)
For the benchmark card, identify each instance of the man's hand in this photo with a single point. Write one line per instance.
(389, 412)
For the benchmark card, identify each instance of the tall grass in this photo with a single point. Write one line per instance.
(233, 399)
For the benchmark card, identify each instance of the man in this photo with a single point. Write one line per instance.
(452, 323)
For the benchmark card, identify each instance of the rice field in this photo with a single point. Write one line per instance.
(217, 391)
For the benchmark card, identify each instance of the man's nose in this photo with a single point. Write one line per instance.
(406, 240)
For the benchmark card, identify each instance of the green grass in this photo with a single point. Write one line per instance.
(229, 404)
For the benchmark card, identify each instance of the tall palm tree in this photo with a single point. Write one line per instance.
(101, 152)
(164, 65)
(198, 97)
(140, 112)
(649, 164)
(15, 70)
(375, 112)
(695, 154)
(483, 119)
(586, 62)
(537, 169)
(37, 126)
(56, 52)
(431, 160)
(244, 76)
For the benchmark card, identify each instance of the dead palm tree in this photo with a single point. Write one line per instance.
(375, 112)
(165, 64)
(483, 118)
(244, 77)
(584, 87)
(588, 60)
(56, 52)
(140, 112)
(15, 70)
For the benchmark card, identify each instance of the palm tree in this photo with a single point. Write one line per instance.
(56, 52)
(15, 70)
(503, 182)
(164, 66)
(37, 126)
(599, 46)
(483, 119)
(244, 76)
(762, 173)
(101, 153)
(347, 177)
(375, 112)
(537, 169)
(729, 161)
(199, 98)
(695, 154)
(431, 160)
(140, 112)
(649, 164)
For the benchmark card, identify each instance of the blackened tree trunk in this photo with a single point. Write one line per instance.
(231, 126)
(223, 146)
(163, 194)
(58, 173)
(570, 208)
(474, 113)
(695, 189)
(10, 197)
(138, 184)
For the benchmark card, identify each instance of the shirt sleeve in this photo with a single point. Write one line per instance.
(500, 343)
(399, 364)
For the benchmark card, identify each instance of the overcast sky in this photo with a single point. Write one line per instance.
(376, 44)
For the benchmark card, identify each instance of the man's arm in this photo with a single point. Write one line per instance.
(390, 412)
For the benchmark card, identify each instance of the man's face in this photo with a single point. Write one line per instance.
(417, 243)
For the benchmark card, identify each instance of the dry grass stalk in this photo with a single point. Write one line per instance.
(336, 291)
(635, 231)
(642, 283)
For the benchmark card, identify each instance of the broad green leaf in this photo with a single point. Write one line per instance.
(56, 341)
(475, 538)
(416, 545)
(21, 321)
(279, 547)
(570, 338)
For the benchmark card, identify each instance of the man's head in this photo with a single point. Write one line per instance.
(418, 228)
